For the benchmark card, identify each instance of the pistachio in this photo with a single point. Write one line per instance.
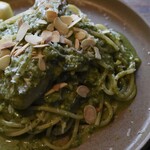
(80, 35)
(56, 88)
(51, 15)
(33, 39)
(83, 91)
(97, 53)
(22, 31)
(77, 44)
(60, 26)
(50, 27)
(90, 114)
(4, 52)
(66, 19)
(55, 37)
(6, 45)
(4, 62)
(88, 43)
(46, 35)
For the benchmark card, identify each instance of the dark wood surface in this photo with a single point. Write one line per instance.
(142, 7)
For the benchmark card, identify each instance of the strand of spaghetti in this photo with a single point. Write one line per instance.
(58, 111)
(124, 73)
(104, 37)
(48, 125)
(74, 134)
(109, 116)
(11, 124)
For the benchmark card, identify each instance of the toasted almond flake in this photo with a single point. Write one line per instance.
(21, 50)
(51, 15)
(41, 64)
(50, 27)
(83, 91)
(55, 37)
(40, 21)
(6, 45)
(56, 88)
(68, 42)
(41, 46)
(97, 53)
(80, 35)
(62, 39)
(20, 22)
(60, 26)
(77, 44)
(88, 43)
(22, 31)
(90, 114)
(33, 39)
(76, 20)
(4, 62)
(47, 36)
(74, 17)
(4, 52)
(66, 19)
(69, 34)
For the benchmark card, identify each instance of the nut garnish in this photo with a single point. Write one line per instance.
(83, 91)
(97, 53)
(69, 34)
(88, 43)
(33, 39)
(56, 88)
(76, 19)
(40, 21)
(55, 37)
(90, 114)
(77, 44)
(4, 62)
(80, 35)
(41, 46)
(22, 31)
(68, 42)
(4, 52)
(21, 50)
(66, 19)
(7, 44)
(47, 36)
(60, 26)
(51, 15)
(50, 27)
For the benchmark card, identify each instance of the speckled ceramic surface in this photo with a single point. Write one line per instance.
(131, 128)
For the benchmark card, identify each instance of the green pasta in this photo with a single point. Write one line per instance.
(60, 76)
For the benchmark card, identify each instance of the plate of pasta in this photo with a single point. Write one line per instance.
(73, 75)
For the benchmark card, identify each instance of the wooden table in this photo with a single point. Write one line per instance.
(142, 7)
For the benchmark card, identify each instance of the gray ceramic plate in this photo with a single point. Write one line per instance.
(131, 129)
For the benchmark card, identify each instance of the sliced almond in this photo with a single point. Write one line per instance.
(4, 52)
(60, 26)
(56, 88)
(88, 43)
(68, 42)
(62, 39)
(6, 45)
(77, 44)
(70, 33)
(50, 27)
(21, 50)
(83, 91)
(22, 31)
(46, 35)
(41, 46)
(76, 20)
(33, 39)
(66, 19)
(51, 15)
(90, 114)
(40, 21)
(4, 62)
(97, 53)
(41, 64)
(55, 37)
(80, 35)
